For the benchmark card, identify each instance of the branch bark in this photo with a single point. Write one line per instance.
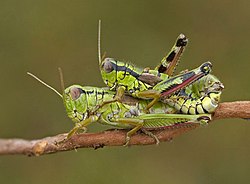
(239, 109)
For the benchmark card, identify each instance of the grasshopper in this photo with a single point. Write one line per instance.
(191, 97)
(129, 114)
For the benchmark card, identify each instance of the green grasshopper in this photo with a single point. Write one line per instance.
(199, 97)
(80, 101)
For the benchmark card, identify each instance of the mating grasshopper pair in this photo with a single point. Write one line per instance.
(144, 99)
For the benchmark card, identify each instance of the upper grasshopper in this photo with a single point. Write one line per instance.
(200, 94)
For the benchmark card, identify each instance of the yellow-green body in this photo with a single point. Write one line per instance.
(82, 103)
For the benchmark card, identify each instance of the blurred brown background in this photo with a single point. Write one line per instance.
(40, 36)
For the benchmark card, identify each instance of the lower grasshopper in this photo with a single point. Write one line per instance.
(199, 97)
(80, 101)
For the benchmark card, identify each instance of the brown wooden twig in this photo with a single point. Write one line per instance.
(240, 109)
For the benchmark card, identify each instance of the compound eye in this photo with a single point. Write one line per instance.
(107, 65)
(75, 93)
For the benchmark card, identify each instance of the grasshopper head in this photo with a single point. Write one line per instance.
(108, 68)
(74, 100)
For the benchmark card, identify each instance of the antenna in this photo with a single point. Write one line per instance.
(45, 84)
(99, 42)
(61, 79)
